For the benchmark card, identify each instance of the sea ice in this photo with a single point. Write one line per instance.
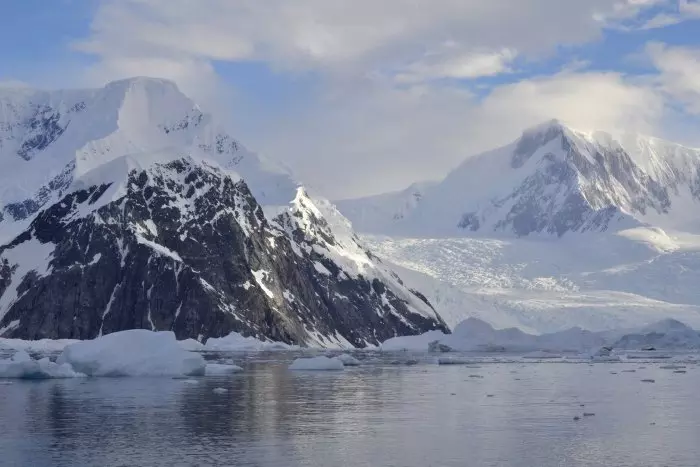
(22, 366)
(136, 352)
(217, 369)
(191, 345)
(235, 342)
(317, 364)
(348, 360)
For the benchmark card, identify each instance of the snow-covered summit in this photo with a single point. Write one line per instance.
(49, 140)
(552, 180)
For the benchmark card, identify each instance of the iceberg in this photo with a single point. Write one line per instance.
(22, 366)
(136, 352)
(235, 342)
(317, 364)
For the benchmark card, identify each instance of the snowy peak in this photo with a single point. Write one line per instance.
(50, 140)
(551, 181)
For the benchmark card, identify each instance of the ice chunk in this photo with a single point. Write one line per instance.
(220, 390)
(542, 355)
(22, 366)
(40, 346)
(412, 343)
(317, 364)
(235, 342)
(217, 369)
(136, 352)
(191, 345)
(348, 360)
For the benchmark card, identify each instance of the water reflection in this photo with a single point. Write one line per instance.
(378, 415)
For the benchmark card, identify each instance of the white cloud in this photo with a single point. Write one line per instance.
(384, 107)
(403, 135)
(458, 65)
(358, 35)
(13, 83)
(679, 72)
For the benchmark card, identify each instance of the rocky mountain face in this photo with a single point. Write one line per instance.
(171, 237)
(552, 181)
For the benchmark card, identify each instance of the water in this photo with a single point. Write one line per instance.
(379, 414)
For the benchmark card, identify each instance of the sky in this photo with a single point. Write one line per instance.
(359, 97)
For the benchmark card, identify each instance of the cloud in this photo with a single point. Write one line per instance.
(394, 97)
(13, 84)
(458, 65)
(679, 69)
(403, 135)
(350, 35)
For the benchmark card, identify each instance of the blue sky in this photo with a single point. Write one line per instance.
(330, 87)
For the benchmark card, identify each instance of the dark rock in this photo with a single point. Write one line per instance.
(188, 249)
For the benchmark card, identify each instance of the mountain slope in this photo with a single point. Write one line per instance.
(553, 180)
(154, 226)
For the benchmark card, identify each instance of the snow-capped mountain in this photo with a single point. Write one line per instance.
(127, 207)
(552, 180)
(500, 238)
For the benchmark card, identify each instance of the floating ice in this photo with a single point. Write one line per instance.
(136, 352)
(235, 342)
(40, 346)
(191, 345)
(217, 369)
(317, 364)
(348, 360)
(22, 366)
(220, 390)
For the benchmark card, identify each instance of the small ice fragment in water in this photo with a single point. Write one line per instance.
(680, 372)
(348, 360)
(489, 395)
(220, 391)
(317, 364)
(577, 418)
(217, 369)
(588, 414)
(648, 381)
(190, 381)
(672, 367)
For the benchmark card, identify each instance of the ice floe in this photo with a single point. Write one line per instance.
(235, 342)
(22, 366)
(317, 364)
(133, 353)
(218, 369)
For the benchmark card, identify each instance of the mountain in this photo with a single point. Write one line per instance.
(552, 181)
(127, 207)
(560, 228)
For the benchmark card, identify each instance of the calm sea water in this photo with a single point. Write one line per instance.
(379, 414)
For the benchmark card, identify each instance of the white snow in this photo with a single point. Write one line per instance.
(320, 363)
(260, 278)
(235, 342)
(133, 353)
(218, 369)
(22, 366)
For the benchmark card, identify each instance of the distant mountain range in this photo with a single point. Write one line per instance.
(552, 181)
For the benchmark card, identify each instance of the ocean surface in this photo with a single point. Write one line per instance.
(391, 411)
